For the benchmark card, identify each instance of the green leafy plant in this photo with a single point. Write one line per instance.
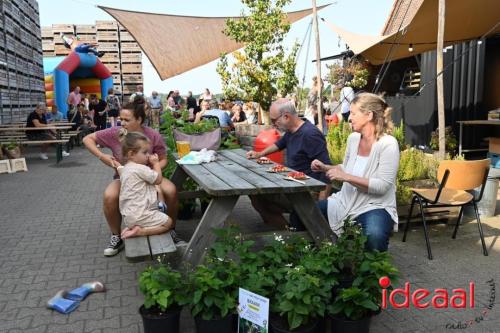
(364, 268)
(11, 145)
(451, 140)
(336, 142)
(398, 132)
(163, 288)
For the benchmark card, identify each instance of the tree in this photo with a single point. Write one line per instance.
(262, 70)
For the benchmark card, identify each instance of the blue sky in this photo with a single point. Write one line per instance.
(361, 16)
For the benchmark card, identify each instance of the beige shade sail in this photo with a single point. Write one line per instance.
(465, 20)
(175, 44)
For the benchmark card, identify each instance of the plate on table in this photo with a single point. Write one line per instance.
(264, 160)
(278, 168)
(297, 175)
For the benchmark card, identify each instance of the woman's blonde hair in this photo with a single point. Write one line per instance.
(375, 104)
(130, 141)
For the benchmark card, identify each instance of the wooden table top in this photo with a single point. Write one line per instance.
(479, 122)
(22, 129)
(233, 174)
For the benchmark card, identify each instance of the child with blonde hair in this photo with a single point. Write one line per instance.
(138, 194)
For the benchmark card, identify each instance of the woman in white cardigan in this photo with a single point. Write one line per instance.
(371, 162)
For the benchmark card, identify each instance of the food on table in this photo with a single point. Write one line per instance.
(278, 168)
(297, 175)
(264, 160)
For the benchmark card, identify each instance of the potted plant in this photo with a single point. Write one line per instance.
(12, 150)
(214, 294)
(450, 139)
(165, 292)
(358, 300)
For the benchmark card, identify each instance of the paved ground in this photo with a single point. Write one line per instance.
(52, 234)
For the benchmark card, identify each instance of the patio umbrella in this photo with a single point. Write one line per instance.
(465, 20)
(175, 44)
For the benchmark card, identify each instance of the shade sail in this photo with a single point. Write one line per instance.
(465, 20)
(175, 44)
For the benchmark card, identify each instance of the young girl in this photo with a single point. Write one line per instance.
(138, 195)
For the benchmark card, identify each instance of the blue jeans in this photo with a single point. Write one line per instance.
(376, 225)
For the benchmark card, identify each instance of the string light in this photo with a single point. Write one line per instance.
(410, 48)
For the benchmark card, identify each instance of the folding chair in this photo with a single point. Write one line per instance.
(456, 178)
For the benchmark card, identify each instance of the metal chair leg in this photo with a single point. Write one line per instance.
(458, 222)
(479, 226)
(426, 234)
(409, 217)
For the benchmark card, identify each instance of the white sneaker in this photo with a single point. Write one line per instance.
(65, 153)
(44, 156)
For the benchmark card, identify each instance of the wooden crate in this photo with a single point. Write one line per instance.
(131, 68)
(108, 46)
(125, 36)
(113, 68)
(110, 57)
(106, 25)
(64, 28)
(85, 29)
(129, 89)
(117, 87)
(117, 79)
(107, 36)
(132, 78)
(9, 24)
(130, 47)
(87, 38)
(135, 57)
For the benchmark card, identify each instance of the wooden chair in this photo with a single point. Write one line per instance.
(456, 178)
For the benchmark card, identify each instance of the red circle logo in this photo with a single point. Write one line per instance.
(384, 282)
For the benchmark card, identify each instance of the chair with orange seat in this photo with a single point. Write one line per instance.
(455, 179)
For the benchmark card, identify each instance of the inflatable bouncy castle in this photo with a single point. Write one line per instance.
(63, 74)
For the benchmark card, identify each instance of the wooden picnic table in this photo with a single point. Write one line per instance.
(233, 175)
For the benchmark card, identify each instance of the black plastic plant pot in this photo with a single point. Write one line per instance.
(280, 325)
(160, 322)
(352, 326)
(227, 324)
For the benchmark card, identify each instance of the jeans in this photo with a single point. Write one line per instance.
(376, 225)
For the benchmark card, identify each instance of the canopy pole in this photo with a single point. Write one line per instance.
(318, 67)
(439, 69)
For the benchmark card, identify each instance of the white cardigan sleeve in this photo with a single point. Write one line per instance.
(388, 162)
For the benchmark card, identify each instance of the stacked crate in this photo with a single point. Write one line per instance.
(48, 42)
(21, 66)
(107, 38)
(131, 63)
(66, 29)
(86, 33)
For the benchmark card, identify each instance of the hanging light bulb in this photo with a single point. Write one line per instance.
(410, 48)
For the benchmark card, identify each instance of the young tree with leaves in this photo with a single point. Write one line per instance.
(261, 70)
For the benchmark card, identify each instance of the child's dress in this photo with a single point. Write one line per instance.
(138, 196)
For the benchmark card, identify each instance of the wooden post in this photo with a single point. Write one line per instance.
(439, 69)
(318, 66)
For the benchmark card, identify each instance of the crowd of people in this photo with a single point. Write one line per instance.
(147, 203)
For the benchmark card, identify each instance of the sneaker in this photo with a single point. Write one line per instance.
(44, 156)
(177, 240)
(65, 153)
(115, 245)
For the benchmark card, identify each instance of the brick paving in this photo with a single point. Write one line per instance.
(53, 234)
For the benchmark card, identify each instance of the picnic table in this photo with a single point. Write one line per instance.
(233, 175)
(18, 134)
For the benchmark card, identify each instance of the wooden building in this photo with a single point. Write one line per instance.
(21, 62)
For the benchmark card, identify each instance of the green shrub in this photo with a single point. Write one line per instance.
(336, 142)
(450, 140)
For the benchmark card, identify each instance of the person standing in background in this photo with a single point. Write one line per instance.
(156, 109)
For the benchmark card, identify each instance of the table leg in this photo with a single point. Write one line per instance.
(460, 140)
(216, 214)
(310, 215)
(178, 177)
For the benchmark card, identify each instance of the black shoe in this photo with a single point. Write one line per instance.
(100, 54)
(115, 245)
(177, 240)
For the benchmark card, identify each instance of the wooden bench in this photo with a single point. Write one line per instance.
(145, 248)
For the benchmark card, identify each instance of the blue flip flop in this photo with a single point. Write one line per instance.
(61, 304)
(84, 290)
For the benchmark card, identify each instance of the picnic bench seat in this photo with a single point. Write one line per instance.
(148, 247)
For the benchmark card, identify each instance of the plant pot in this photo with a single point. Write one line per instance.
(227, 324)
(13, 153)
(280, 325)
(160, 322)
(352, 326)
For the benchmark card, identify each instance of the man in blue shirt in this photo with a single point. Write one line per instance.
(224, 118)
(304, 143)
(54, 115)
